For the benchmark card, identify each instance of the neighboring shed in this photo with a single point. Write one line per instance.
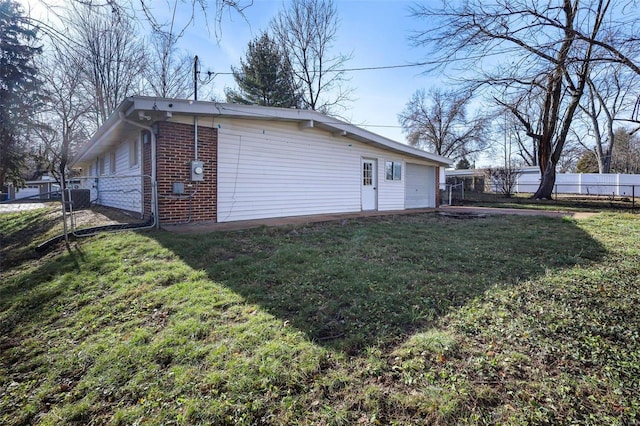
(225, 162)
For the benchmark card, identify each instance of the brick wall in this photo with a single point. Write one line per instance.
(175, 151)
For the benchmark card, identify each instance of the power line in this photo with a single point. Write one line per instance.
(380, 125)
(382, 67)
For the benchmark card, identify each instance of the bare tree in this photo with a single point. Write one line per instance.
(516, 141)
(306, 31)
(519, 49)
(568, 160)
(504, 178)
(191, 8)
(437, 120)
(111, 57)
(626, 157)
(62, 122)
(168, 74)
(609, 93)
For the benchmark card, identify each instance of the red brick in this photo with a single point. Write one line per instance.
(174, 153)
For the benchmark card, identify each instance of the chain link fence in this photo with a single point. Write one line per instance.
(89, 205)
(479, 189)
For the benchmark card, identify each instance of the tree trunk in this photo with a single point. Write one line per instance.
(547, 183)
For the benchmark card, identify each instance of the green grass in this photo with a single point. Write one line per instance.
(562, 202)
(21, 232)
(410, 319)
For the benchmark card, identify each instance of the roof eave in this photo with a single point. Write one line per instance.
(107, 128)
(160, 108)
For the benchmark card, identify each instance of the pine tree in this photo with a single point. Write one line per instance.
(265, 77)
(18, 90)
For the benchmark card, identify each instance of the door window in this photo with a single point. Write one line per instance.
(367, 174)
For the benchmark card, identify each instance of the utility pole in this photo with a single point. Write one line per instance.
(195, 78)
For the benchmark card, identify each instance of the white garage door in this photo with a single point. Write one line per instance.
(420, 189)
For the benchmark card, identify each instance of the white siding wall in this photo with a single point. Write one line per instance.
(390, 192)
(268, 169)
(27, 192)
(122, 189)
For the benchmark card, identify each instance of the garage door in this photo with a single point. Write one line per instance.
(420, 189)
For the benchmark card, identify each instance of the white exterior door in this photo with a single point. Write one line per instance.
(420, 189)
(369, 181)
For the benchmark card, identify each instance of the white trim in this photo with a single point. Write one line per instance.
(158, 109)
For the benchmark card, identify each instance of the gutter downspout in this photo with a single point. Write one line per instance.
(154, 199)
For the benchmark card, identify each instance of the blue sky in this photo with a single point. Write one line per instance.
(375, 32)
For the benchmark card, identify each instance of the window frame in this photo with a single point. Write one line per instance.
(393, 170)
(367, 174)
(134, 153)
(112, 162)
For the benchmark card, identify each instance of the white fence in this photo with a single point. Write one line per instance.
(621, 185)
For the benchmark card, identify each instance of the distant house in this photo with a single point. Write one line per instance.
(44, 188)
(225, 162)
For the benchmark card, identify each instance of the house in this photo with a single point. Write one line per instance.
(44, 188)
(210, 161)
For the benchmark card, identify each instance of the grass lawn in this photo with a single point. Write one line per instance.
(409, 319)
(574, 203)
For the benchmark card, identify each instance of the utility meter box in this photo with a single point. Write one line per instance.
(178, 187)
(197, 171)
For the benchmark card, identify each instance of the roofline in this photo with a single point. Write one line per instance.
(306, 118)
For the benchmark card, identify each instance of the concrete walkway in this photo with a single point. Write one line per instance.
(20, 207)
(203, 227)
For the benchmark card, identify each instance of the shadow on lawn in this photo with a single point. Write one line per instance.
(369, 282)
(17, 245)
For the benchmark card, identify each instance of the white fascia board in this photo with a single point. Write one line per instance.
(160, 108)
(399, 147)
(87, 151)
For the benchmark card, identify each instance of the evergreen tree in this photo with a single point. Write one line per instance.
(264, 77)
(626, 153)
(463, 164)
(18, 94)
(587, 163)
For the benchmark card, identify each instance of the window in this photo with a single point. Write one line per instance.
(134, 153)
(101, 165)
(393, 170)
(367, 174)
(112, 162)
